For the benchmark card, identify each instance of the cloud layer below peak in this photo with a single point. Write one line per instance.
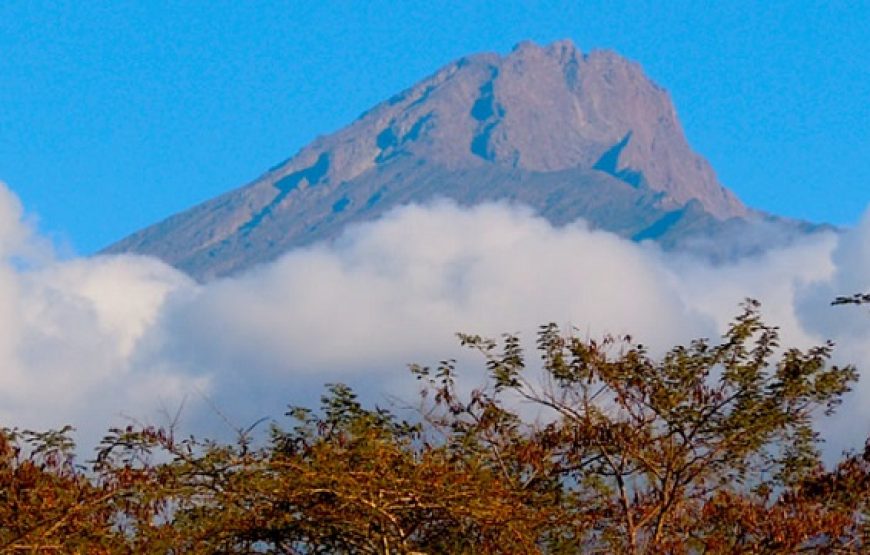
(88, 341)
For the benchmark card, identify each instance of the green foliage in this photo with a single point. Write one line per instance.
(656, 439)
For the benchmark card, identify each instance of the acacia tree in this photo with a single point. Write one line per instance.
(707, 449)
(47, 503)
(857, 298)
(343, 480)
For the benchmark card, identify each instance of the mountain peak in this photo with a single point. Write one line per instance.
(540, 108)
(563, 49)
(538, 124)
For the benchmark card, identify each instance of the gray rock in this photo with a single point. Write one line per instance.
(572, 135)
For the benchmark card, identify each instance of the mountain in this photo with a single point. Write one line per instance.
(572, 134)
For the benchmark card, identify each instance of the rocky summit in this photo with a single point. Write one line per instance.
(571, 134)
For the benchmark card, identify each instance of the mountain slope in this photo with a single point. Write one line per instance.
(572, 135)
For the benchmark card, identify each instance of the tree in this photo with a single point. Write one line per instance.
(707, 449)
(47, 504)
(857, 298)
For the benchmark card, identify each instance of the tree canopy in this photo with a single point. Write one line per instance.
(595, 446)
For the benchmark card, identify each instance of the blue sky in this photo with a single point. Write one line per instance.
(116, 115)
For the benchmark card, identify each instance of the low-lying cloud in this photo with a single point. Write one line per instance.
(93, 341)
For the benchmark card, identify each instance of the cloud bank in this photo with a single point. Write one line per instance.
(94, 341)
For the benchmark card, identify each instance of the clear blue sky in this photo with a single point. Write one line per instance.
(114, 115)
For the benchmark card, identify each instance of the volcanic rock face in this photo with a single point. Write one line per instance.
(571, 134)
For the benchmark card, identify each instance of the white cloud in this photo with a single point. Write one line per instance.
(85, 340)
(68, 332)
